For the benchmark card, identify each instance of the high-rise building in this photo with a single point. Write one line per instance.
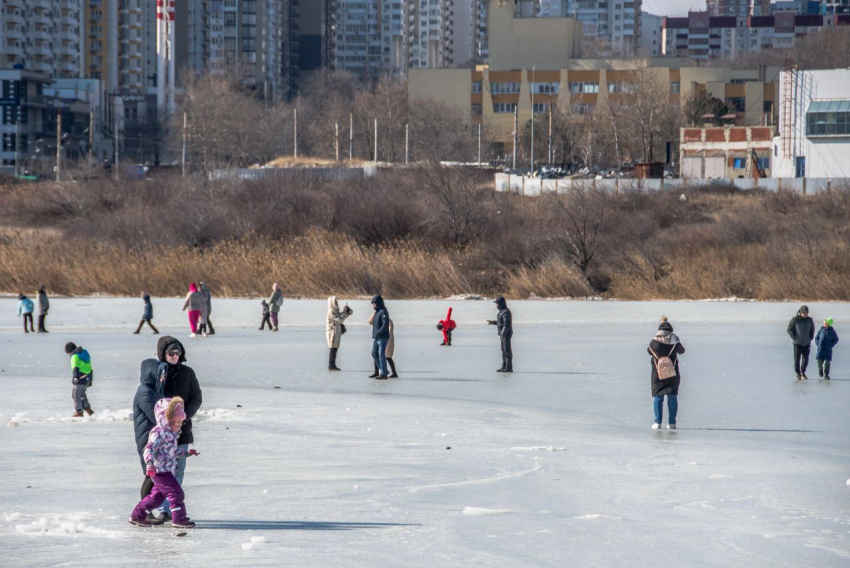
(315, 45)
(738, 8)
(41, 36)
(651, 42)
(611, 27)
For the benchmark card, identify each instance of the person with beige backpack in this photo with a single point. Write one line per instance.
(665, 349)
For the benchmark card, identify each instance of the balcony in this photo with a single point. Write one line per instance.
(40, 50)
(15, 33)
(16, 4)
(40, 18)
(44, 4)
(15, 18)
(13, 50)
(41, 34)
(67, 66)
(68, 35)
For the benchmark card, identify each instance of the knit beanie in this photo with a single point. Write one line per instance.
(70, 347)
(829, 321)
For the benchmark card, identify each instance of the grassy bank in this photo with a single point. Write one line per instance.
(421, 234)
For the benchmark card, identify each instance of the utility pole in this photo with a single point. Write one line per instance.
(58, 144)
(516, 127)
(17, 147)
(115, 138)
(479, 145)
(91, 132)
(406, 143)
(550, 157)
(351, 137)
(295, 132)
(532, 117)
(336, 141)
(185, 127)
(376, 140)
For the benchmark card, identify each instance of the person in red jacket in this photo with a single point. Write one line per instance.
(446, 326)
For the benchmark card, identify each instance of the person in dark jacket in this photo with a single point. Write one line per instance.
(147, 315)
(505, 328)
(266, 317)
(82, 377)
(665, 344)
(166, 376)
(801, 329)
(826, 339)
(380, 337)
(43, 307)
(207, 295)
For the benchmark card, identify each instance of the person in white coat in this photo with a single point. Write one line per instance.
(335, 329)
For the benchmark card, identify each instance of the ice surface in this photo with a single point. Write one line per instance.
(554, 465)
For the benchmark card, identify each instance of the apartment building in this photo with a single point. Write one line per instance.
(651, 42)
(738, 8)
(41, 36)
(611, 27)
(704, 37)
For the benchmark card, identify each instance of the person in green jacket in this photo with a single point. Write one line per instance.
(81, 378)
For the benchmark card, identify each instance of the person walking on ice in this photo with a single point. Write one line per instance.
(25, 308)
(380, 337)
(81, 377)
(195, 304)
(447, 326)
(206, 293)
(505, 328)
(664, 351)
(147, 315)
(266, 317)
(275, 303)
(801, 330)
(161, 455)
(826, 339)
(335, 329)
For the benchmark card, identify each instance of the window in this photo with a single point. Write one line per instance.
(740, 163)
(545, 88)
(476, 109)
(541, 108)
(579, 87)
(828, 118)
(675, 88)
(618, 87)
(764, 163)
(476, 86)
(504, 108)
(582, 108)
(504, 88)
(737, 104)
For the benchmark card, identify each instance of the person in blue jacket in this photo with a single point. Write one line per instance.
(25, 308)
(147, 315)
(826, 339)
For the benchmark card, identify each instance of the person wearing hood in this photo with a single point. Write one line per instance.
(147, 315)
(266, 315)
(82, 378)
(275, 303)
(389, 352)
(161, 456)
(505, 328)
(335, 329)
(207, 296)
(43, 307)
(665, 345)
(826, 339)
(164, 377)
(194, 303)
(380, 337)
(447, 326)
(801, 330)
(25, 308)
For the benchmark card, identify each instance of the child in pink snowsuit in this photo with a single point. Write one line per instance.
(446, 326)
(161, 455)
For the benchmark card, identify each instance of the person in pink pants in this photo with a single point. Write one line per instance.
(194, 303)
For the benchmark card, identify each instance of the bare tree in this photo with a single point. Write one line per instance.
(580, 221)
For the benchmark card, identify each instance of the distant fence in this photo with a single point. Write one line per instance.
(296, 173)
(535, 186)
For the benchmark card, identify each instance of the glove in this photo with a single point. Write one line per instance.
(491, 322)
(151, 472)
(193, 453)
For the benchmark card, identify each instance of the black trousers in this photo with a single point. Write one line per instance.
(146, 321)
(266, 320)
(824, 366)
(507, 354)
(28, 318)
(801, 357)
(41, 322)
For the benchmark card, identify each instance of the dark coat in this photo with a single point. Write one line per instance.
(826, 339)
(43, 302)
(148, 313)
(381, 322)
(671, 385)
(801, 329)
(504, 321)
(180, 381)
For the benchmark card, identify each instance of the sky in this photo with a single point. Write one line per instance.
(672, 7)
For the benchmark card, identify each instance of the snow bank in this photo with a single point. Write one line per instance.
(596, 516)
(483, 511)
(539, 449)
(18, 419)
(214, 414)
(107, 415)
(64, 525)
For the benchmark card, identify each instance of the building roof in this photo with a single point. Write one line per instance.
(674, 23)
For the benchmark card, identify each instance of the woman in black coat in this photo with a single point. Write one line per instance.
(665, 344)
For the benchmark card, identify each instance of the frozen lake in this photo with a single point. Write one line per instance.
(452, 464)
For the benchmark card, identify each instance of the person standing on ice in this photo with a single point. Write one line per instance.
(335, 328)
(194, 303)
(826, 339)
(505, 328)
(665, 346)
(25, 308)
(266, 317)
(164, 377)
(801, 330)
(82, 378)
(447, 326)
(380, 337)
(161, 455)
(275, 303)
(207, 295)
(43, 307)
(389, 352)
(147, 315)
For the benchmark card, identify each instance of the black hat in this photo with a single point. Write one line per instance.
(70, 347)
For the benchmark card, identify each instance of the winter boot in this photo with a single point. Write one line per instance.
(77, 414)
(826, 377)
(799, 377)
(212, 329)
(671, 426)
(185, 524)
(274, 328)
(140, 522)
(804, 377)
(332, 360)
(154, 520)
(89, 411)
(392, 366)
(376, 373)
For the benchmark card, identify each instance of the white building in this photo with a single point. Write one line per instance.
(41, 36)
(611, 27)
(651, 39)
(814, 124)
